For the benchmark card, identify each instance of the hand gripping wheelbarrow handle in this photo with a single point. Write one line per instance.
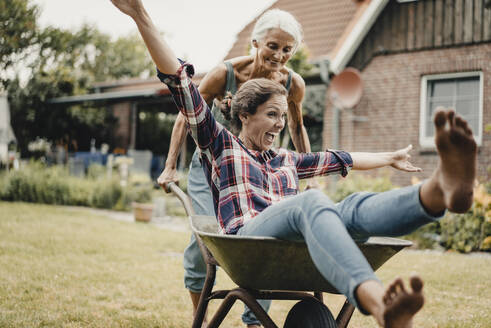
(171, 186)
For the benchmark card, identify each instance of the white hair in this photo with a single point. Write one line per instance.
(277, 18)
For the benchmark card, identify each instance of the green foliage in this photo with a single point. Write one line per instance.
(36, 183)
(470, 231)
(141, 188)
(114, 60)
(96, 171)
(60, 63)
(356, 182)
(465, 233)
(18, 31)
(299, 61)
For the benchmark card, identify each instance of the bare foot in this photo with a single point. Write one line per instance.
(401, 306)
(457, 166)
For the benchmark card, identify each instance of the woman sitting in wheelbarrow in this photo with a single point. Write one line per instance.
(255, 188)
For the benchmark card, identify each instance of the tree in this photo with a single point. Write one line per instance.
(18, 32)
(59, 62)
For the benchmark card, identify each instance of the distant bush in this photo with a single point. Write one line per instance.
(37, 183)
(356, 182)
(465, 233)
(470, 231)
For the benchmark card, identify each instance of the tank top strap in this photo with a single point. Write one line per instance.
(231, 84)
(289, 80)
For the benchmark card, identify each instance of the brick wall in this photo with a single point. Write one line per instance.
(391, 102)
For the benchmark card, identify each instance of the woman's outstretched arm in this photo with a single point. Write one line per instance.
(398, 159)
(161, 53)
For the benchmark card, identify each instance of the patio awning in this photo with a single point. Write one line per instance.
(115, 95)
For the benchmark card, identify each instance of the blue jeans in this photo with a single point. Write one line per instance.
(329, 229)
(194, 265)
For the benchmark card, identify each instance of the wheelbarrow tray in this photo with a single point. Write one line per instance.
(267, 263)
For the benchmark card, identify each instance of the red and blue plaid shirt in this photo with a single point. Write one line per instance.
(244, 182)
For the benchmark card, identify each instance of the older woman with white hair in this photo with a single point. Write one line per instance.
(275, 38)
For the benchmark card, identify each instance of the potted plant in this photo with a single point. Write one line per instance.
(142, 205)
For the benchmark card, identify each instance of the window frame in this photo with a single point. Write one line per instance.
(429, 142)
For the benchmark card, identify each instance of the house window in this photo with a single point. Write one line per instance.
(461, 91)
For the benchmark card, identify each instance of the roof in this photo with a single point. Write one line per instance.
(126, 89)
(323, 22)
(333, 29)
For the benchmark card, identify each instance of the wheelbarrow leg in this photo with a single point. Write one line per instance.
(345, 314)
(205, 293)
(249, 300)
(222, 311)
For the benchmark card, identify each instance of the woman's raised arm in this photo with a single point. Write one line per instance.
(161, 53)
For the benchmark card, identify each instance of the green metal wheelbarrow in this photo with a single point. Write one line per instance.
(267, 268)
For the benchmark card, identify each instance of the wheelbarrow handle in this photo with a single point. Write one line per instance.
(170, 187)
(186, 202)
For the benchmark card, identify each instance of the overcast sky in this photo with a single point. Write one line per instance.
(188, 24)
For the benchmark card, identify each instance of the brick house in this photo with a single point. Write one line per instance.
(413, 56)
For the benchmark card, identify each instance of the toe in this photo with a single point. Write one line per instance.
(459, 120)
(416, 283)
(440, 118)
(451, 117)
(394, 288)
(461, 123)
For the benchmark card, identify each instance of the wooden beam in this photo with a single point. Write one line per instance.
(403, 35)
(459, 21)
(468, 20)
(387, 28)
(411, 25)
(486, 23)
(448, 23)
(420, 24)
(397, 37)
(429, 22)
(478, 13)
(439, 16)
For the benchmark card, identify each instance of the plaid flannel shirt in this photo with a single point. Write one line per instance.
(244, 182)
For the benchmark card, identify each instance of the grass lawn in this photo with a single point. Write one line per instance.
(62, 267)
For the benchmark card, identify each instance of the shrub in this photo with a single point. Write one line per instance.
(105, 193)
(356, 181)
(96, 171)
(37, 183)
(470, 231)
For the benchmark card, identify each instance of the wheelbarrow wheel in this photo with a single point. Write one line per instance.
(309, 314)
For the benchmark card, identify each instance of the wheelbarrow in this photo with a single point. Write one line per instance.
(267, 268)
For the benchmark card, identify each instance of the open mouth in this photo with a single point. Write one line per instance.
(270, 137)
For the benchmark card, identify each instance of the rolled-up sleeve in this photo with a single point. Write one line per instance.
(202, 125)
(323, 163)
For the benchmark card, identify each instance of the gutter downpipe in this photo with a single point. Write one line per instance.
(343, 56)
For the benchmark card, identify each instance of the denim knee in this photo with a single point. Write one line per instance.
(194, 267)
(315, 197)
(315, 200)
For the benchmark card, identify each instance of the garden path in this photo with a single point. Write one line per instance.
(166, 222)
